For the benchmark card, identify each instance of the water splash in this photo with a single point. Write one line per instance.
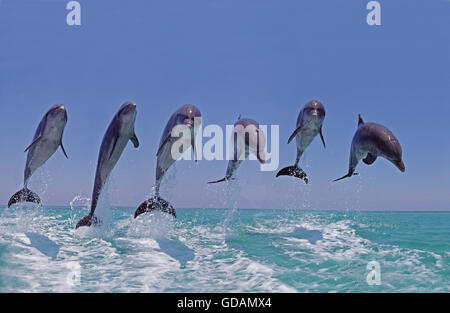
(78, 203)
(231, 188)
(104, 228)
(40, 181)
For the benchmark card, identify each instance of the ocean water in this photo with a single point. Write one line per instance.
(209, 250)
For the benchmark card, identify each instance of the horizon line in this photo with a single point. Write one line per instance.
(265, 209)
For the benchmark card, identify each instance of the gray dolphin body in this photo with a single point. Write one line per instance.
(119, 133)
(47, 139)
(370, 141)
(309, 125)
(187, 116)
(248, 139)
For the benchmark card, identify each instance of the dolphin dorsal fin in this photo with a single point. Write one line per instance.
(239, 117)
(360, 120)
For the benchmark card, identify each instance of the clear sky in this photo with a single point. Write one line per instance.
(263, 59)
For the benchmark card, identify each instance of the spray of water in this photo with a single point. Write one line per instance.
(103, 213)
(155, 225)
(78, 203)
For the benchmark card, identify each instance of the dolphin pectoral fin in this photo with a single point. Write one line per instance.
(24, 195)
(33, 143)
(294, 134)
(155, 204)
(134, 139)
(296, 131)
(294, 171)
(370, 158)
(63, 150)
(321, 137)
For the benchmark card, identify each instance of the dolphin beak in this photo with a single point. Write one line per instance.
(400, 165)
(261, 157)
(130, 108)
(189, 123)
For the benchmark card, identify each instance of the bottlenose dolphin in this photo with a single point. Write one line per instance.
(309, 125)
(119, 133)
(187, 116)
(47, 139)
(370, 141)
(248, 138)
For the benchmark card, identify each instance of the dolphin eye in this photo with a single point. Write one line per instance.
(123, 111)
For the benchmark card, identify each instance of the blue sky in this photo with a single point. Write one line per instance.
(263, 59)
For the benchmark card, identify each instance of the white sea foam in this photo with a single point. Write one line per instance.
(155, 253)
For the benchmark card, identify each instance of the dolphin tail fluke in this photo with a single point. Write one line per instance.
(218, 181)
(294, 171)
(155, 204)
(24, 195)
(225, 179)
(88, 221)
(85, 221)
(346, 176)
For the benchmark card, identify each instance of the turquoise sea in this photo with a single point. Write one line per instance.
(219, 250)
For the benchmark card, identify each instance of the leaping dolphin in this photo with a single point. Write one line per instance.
(119, 133)
(47, 139)
(248, 139)
(187, 116)
(309, 125)
(370, 141)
